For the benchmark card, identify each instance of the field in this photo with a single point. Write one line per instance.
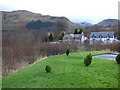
(67, 72)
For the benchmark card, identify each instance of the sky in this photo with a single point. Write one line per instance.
(92, 11)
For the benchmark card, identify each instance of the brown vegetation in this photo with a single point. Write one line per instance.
(18, 48)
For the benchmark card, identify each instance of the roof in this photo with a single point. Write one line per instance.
(79, 36)
(102, 34)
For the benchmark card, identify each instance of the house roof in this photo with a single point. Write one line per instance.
(102, 34)
(79, 36)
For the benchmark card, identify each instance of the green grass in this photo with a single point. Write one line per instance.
(67, 72)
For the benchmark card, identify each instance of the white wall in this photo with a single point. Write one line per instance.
(102, 39)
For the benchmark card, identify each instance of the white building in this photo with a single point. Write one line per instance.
(102, 38)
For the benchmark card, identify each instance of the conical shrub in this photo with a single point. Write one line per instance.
(88, 59)
(118, 59)
(48, 68)
(67, 52)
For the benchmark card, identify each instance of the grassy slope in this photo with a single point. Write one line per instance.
(67, 72)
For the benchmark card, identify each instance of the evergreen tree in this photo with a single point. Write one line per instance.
(76, 32)
(67, 52)
(51, 38)
(81, 30)
(88, 59)
(62, 35)
(46, 39)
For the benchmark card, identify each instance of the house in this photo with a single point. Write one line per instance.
(102, 37)
(76, 38)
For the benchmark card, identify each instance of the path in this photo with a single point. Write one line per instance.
(110, 56)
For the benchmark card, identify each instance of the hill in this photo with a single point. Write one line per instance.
(108, 23)
(85, 24)
(67, 72)
(17, 20)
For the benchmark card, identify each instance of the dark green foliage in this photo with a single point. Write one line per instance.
(81, 30)
(88, 59)
(76, 32)
(67, 52)
(39, 24)
(62, 35)
(51, 38)
(48, 68)
(46, 39)
(118, 59)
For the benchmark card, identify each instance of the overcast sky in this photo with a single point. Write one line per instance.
(92, 11)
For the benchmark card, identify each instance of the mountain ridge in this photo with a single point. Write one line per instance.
(20, 18)
(85, 24)
(108, 23)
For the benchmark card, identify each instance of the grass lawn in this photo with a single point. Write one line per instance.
(67, 72)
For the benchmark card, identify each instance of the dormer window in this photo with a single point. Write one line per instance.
(100, 36)
(94, 36)
(108, 36)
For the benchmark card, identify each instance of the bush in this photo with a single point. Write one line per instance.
(48, 68)
(88, 59)
(67, 52)
(118, 59)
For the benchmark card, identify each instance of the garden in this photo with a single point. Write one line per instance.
(67, 71)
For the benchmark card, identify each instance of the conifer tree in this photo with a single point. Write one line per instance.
(76, 32)
(81, 30)
(51, 38)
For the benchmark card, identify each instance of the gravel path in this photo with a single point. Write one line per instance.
(106, 56)
(110, 56)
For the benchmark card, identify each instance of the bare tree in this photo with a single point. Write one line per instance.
(58, 27)
(89, 29)
(119, 35)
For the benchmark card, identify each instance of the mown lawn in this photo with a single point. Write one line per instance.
(67, 72)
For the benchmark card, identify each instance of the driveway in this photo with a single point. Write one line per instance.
(110, 56)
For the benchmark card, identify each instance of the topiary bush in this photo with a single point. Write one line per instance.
(118, 59)
(88, 59)
(67, 52)
(48, 68)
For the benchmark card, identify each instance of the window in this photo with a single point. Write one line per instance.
(108, 36)
(100, 36)
(93, 36)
